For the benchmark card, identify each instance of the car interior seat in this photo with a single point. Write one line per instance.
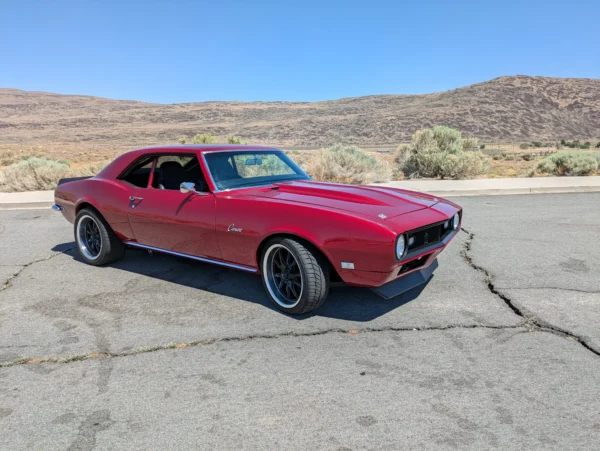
(222, 169)
(171, 175)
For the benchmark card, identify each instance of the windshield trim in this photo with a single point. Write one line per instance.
(217, 189)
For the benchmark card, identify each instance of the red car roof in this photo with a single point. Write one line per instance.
(122, 161)
(199, 148)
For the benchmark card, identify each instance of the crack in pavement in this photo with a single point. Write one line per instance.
(211, 341)
(550, 288)
(531, 321)
(7, 283)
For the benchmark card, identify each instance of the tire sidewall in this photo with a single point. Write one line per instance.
(301, 304)
(104, 237)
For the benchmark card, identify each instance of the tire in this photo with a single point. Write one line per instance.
(301, 286)
(99, 247)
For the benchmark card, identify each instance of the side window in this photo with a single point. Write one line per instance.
(173, 170)
(140, 174)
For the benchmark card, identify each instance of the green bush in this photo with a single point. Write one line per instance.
(524, 146)
(200, 138)
(441, 152)
(235, 140)
(207, 138)
(346, 164)
(569, 163)
(527, 156)
(482, 147)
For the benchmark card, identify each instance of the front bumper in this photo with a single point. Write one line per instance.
(406, 283)
(415, 261)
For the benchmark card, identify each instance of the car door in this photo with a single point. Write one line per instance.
(163, 217)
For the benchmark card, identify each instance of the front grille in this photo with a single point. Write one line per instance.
(428, 235)
(413, 264)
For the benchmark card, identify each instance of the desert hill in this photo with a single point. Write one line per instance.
(515, 108)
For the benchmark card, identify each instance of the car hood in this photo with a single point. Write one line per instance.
(376, 202)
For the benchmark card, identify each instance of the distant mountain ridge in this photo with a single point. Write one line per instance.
(514, 108)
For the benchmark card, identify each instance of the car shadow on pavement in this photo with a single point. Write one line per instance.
(344, 302)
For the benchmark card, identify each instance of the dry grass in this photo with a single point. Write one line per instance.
(40, 173)
(44, 167)
(510, 168)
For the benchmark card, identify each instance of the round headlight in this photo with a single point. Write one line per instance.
(400, 247)
(455, 221)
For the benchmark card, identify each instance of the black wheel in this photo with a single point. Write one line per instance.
(295, 276)
(96, 242)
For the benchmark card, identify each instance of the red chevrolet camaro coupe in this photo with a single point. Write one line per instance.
(252, 208)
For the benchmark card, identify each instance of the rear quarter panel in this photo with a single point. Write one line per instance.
(110, 198)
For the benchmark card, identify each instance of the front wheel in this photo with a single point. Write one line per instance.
(296, 277)
(96, 242)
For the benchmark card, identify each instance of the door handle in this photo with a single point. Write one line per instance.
(133, 199)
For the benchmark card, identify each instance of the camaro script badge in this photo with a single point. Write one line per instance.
(232, 228)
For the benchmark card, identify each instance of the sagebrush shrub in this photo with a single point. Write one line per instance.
(569, 163)
(41, 173)
(235, 140)
(441, 152)
(346, 164)
(200, 138)
(34, 173)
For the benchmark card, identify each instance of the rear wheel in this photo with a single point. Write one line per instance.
(295, 276)
(96, 242)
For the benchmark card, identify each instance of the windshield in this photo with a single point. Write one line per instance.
(233, 169)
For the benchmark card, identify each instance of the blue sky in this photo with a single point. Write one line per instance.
(183, 51)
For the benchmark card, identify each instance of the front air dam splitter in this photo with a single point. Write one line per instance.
(406, 283)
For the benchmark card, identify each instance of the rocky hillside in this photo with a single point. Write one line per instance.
(515, 108)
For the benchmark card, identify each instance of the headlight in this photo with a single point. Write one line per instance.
(455, 221)
(400, 247)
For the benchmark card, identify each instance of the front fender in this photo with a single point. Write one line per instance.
(243, 224)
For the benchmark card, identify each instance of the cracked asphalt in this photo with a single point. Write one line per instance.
(501, 350)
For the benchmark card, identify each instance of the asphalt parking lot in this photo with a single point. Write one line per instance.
(500, 350)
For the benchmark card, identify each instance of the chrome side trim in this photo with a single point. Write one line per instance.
(191, 257)
(57, 207)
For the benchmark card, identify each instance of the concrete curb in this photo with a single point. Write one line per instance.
(25, 205)
(26, 200)
(516, 191)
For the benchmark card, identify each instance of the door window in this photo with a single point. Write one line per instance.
(140, 174)
(173, 170)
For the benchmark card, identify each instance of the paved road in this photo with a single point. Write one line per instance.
(499, 350)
